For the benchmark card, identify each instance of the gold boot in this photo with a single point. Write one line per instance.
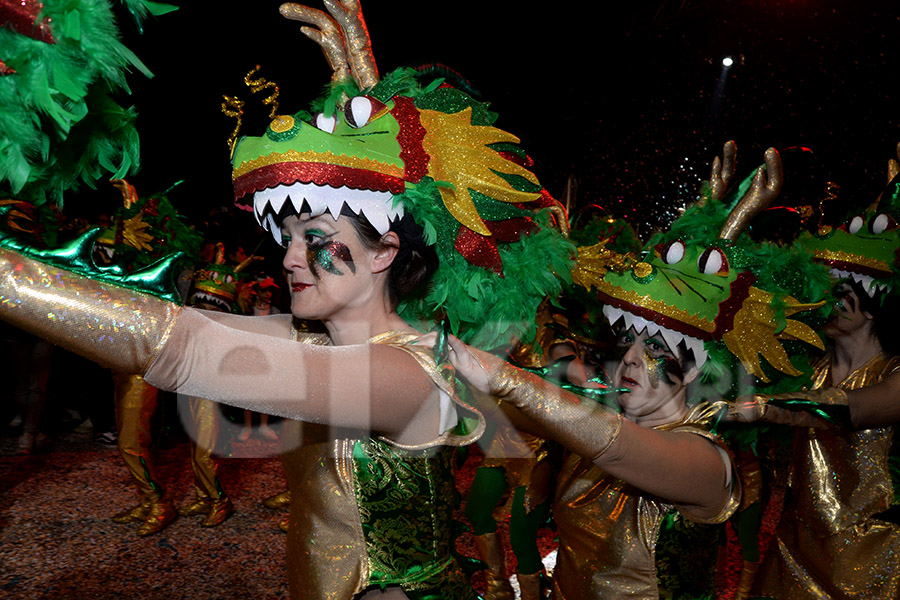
(278, 501)
(530, 586)
(161, 514)
(200, 506)
(135, 514)
(219, 510)
(491, 550)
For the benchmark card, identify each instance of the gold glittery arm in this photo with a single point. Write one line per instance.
(680, 467)
(110, 325)
(583, 426)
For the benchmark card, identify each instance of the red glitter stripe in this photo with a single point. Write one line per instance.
(652, 315)
(740, 290)
(523, 161)
(318, 173)
(479, 250)
(510, 230)
(410, 138)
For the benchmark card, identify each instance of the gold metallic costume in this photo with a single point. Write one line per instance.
(373, 512)
(211, 499)
(608, 529)
(828, 543)
(136, 402)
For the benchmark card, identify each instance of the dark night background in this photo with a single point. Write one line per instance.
(626, 97)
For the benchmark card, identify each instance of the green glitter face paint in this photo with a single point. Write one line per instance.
(322, 253)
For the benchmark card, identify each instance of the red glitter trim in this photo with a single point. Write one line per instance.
(510, 230)
(21, 16)
(410, 138)
(652, 315)
(151, 207)
(740, 290)
(479, 250)
(523, 161)
(318, 173)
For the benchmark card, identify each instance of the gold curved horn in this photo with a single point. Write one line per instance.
(348, 13)
(343, 37)
(561, 216)
(763, 190)
(722, 171)
(328, 36)
(246, 263)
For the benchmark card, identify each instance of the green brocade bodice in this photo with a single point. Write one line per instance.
(367, 512)
(406, 500)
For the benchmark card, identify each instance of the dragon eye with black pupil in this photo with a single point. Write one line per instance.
(713, 262)
(360, 111)
(673, 252)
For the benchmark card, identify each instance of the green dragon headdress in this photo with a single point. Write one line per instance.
(412, 143)
(724, 296)
(866, 247)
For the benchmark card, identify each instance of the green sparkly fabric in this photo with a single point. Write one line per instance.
(406, 500)
(686, 554)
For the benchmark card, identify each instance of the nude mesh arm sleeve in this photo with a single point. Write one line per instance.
(364, 386)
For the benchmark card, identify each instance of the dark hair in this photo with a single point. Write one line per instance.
(415, 262)
(884, 308)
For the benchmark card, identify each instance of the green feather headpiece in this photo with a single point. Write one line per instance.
(61, 62)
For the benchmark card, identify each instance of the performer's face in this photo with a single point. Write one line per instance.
(654, 375)
(329, 270)
(848, 316)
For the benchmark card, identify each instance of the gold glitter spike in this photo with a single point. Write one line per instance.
(134, 233)
(461, 157)
(233, 107)
(594, 261)
(754, 333)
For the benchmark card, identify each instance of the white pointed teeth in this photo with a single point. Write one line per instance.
(378, 207)
(868, 283)
(672, 338)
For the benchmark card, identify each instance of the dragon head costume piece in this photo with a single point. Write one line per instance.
(414, 142)
(866, 247)
(724, 296)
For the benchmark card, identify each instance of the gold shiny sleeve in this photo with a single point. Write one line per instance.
(111, 325)
(581, 425)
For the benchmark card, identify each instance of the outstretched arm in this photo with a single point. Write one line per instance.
(365, 386)
(876, 405)
(682, 468)
(217, 356)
